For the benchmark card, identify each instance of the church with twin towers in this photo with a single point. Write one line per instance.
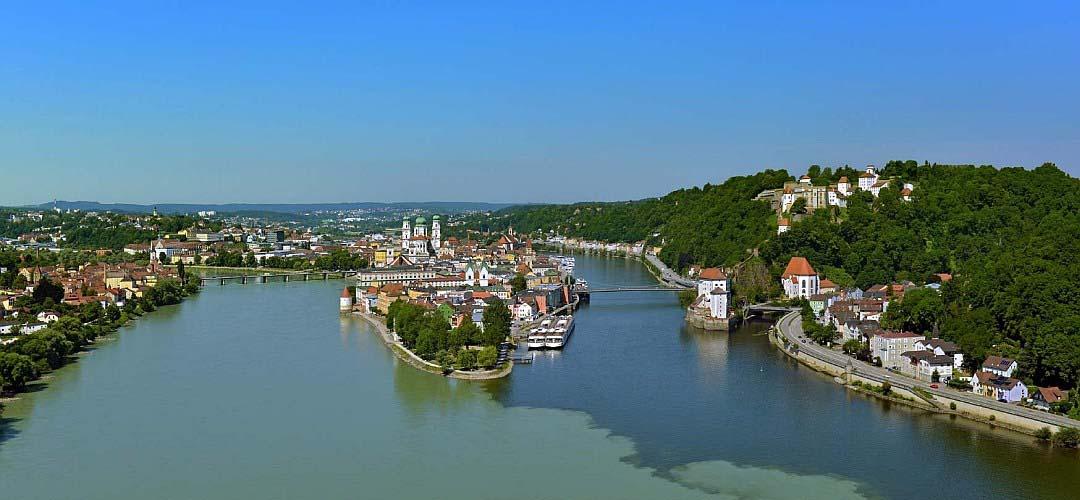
(418, 240)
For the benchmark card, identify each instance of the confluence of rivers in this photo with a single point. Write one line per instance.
(264, 391)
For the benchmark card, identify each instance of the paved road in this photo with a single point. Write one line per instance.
(790, 326)
(667, 274)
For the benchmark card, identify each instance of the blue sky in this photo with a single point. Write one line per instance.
(506, 101)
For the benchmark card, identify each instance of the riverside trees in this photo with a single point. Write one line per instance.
(428, 334)
(33, 354)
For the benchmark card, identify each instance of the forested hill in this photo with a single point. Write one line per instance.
(1010, 237)
(712, 224)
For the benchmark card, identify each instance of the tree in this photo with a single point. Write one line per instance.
(465, 360)
(16, 370)
(47, 289)
(518, 283)
(487, 357)
(687, 297)
(47, 347)
(935, 377)
(459, 337)
(90, 311)
(921, 311)
(1066, 437)
(852, 346)
(496, 322)
(799, 206)
(181, 272)
(470, 334)
(821, 334)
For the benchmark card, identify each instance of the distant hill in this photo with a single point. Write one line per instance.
(286, 208)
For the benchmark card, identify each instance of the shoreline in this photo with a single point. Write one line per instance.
(424, 365)
(934, 401)
(942, 405)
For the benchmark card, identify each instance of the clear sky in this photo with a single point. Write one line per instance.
(515, 101)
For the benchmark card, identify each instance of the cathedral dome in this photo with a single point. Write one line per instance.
(421, 220)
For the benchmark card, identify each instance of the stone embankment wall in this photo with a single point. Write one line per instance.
(936, 403)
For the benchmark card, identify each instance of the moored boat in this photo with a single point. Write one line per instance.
(557, 334)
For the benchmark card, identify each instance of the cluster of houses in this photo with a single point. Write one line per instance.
(101, 284)
(193, 246)
(856, 315)
(831, 195)
(633, 249)
(462, 278)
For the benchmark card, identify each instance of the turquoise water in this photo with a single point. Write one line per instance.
(264, 391)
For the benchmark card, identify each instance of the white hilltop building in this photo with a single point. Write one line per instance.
(824, 196)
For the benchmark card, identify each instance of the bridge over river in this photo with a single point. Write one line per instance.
(280, 276)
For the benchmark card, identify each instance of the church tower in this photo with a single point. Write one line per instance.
(405, 233)
(420, 229)
(436, 233)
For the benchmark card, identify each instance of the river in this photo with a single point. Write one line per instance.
(264, 391)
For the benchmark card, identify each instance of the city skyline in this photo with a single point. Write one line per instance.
(513, 104)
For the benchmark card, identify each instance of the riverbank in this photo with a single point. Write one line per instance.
(30, 358)
(404, 354)
(865, 379)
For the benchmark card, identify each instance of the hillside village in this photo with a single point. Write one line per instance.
(851, 319)
(798, 198)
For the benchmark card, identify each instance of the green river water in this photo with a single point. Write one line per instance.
(264, 391)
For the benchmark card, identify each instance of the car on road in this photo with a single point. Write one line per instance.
(933, 386)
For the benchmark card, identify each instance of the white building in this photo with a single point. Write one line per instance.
(889, 346)
(799, 279)
(345, 303)
(1000, 366)
(783, 226)
(868, 178)
(999, 387)
(942, 348)
(714, 292)
(477, 275)
(843, 186)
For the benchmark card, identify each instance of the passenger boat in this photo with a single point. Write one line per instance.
(537, 338)
(557, 335)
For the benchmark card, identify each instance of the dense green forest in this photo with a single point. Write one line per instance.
(1008, 236)
(712, 224)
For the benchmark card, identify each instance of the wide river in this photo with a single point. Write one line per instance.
(264, 391)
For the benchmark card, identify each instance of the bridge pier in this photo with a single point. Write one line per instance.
(222, 282)
(243, 280)
(262, 279)
(286, 278)
(307, 276)
(324, 274)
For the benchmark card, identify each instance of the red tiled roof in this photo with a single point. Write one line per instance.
(798, 266)
(712, 273)
(1052, 394)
